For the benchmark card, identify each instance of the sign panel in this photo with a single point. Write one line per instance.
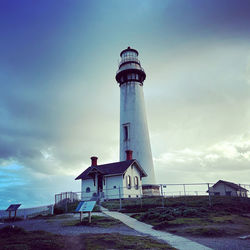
(13, 207)
(85, 206)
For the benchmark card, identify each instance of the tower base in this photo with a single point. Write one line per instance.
(150, 190)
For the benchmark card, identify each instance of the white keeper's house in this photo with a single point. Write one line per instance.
(113, 180)
(226, 188)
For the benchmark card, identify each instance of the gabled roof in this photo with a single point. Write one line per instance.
(231, 184)
(114, 168)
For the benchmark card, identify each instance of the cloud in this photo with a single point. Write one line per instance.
(219, 161)
(59, 102)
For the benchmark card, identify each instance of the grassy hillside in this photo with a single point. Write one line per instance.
(226, 216)
(218, 203)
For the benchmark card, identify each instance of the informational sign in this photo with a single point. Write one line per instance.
(13, 207)
(85, 206)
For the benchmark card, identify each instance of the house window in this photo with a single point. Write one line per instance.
(136, 180)
(126, 132)
(129, 196)
(87, 189)
(114, 187)
(128, 181)
(228, 193)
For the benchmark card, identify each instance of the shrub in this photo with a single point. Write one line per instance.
(189, 212)
(58, 210)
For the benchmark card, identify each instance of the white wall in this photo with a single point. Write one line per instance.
(111, 187)
(132, 111)
(132, 192)
(93, 189)
(222, 189)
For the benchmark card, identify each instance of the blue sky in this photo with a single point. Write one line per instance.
(59, 102)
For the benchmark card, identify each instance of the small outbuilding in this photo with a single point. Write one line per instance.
(225, 188)
(113, 180)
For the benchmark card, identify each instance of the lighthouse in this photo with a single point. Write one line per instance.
(134, 133)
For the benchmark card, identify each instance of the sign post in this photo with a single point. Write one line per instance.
(13, 207)
(85, 206)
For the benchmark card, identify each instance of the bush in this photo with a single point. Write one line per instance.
(207, 232)
(189, 212)
(58, 210)
(164, 225)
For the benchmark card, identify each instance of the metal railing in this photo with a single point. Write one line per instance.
(129, 59)
(135, 193)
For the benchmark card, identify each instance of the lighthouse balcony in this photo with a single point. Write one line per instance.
(130, 67)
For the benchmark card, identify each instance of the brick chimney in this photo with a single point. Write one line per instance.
(129, 154)
(94, 161)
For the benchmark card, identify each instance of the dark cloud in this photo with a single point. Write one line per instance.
(200, 18)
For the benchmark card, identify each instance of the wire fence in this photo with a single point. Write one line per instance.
(136, 195)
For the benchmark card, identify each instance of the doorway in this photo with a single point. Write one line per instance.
(100, 183)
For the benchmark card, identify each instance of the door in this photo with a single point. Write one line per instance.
(100, 183)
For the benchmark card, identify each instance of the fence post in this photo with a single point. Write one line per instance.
(209, 196)
(120, 197)
(66, 205)
(140, 195)
(184, 189)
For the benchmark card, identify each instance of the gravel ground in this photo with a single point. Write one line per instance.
(55, 226)
(223, 243)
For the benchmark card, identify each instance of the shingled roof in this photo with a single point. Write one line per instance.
(232, 185)
(114, 168)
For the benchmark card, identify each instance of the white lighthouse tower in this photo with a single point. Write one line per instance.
(133, 123)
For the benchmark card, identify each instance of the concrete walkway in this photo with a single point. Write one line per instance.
(173, 240)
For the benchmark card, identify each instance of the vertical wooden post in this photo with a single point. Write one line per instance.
(161, 190)
(89, 217)
(15, 215)
(184, 189)
(140, 195)
(120, 197)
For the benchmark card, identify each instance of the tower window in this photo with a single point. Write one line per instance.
(126, 132)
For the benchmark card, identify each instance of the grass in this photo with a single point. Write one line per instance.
(96, 221)
(12, 219)
(219, 203)
(191, 215)
(14, 238)
(207, 232)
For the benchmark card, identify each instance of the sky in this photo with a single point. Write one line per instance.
(59, 101)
